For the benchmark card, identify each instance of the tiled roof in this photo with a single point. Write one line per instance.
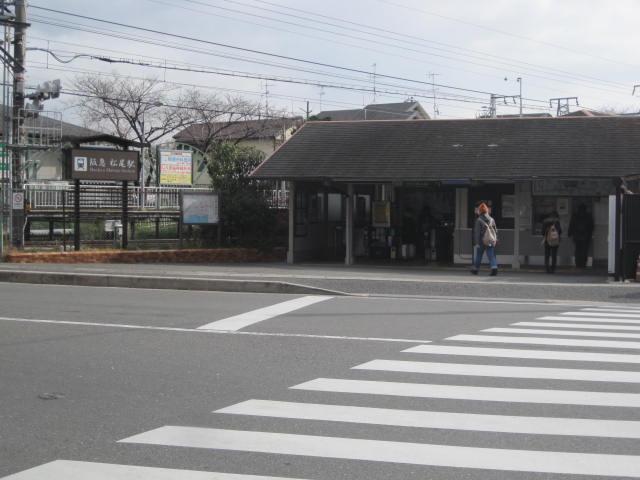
(377, 111)
(249, 129)
(565, 147)
(588, 113)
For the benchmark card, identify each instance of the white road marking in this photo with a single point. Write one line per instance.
(601, 314)
(611, 310)
(71, 470)
(243, 320)
(433, 419)
(590, 319)
(210, 332)
(588, 326)
(566, 342)
(615, 307)
(394, 452)
(461, 392)
(466, 369)
(519, 353)
(566, 333)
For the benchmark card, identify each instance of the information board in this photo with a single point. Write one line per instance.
(95, 164)
(200, 208)
(176, 167)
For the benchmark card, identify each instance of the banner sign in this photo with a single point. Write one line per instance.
(381, 214)
(175, 167)
(94, 164)
(199, 208)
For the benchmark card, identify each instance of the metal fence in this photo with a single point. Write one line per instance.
(50, 196)
(54, 196)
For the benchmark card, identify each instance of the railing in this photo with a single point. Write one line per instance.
(53, 196)
(278, 199)
(43, 197)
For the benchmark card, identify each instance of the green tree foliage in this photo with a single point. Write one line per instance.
(246, 216)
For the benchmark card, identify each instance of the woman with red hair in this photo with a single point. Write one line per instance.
(485, 238)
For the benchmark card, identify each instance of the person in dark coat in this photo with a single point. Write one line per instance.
(551, 240)
(581, 231)
(484, 222)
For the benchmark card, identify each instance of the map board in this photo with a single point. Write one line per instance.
(200, 208)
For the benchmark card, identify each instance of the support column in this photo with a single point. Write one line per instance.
(325, 220)
(125, 214)
(76, 215)
(348, 258)
(292, 217)
(515, 263)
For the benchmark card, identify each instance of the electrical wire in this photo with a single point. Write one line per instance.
(495, 58)
(259, 52)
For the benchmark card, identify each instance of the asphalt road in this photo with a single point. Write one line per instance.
(103, 380)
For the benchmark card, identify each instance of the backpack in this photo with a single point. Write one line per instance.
(553, 238)
(489, 238)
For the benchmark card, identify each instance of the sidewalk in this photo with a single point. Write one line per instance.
(335, 278)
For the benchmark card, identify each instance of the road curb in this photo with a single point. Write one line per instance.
(161, 283)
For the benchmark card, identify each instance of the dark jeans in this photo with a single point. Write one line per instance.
(550, 253)
(582, 252)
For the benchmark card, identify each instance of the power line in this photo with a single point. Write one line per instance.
(255, 76)
(496, 59)
(503, 32)
(251, 50)
(112, 33)
(41, 65)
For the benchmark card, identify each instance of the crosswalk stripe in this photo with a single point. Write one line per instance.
(601, 314)
(617, 307)
(243, 320)
(611, 310)
(565, 342)
(590, 319)
(72, 470)
(394, 452)
(466, 369)
(461, 392)
(566, 333)
(520, 353)
(433, 419)
(588, 326)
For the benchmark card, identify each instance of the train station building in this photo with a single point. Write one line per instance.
(367, 191)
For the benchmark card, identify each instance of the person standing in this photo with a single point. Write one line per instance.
(581, 231)
(485, 238)
(551, 231)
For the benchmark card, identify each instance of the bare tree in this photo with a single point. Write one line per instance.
(140, 110)
(218, 119)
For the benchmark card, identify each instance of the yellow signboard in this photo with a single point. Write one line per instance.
(175, 167)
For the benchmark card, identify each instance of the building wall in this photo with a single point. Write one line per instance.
(531, 247)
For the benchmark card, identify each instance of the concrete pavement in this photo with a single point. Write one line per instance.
(334, 279)
(122, 383)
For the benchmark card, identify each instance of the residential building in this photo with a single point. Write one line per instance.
(265, 135)
(409, 110)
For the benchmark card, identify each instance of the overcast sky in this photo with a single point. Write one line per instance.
(560, 48)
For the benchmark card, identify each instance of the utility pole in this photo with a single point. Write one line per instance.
(375, 93)
(436, 112)
(519, 80)
(19, 51)
(493, 100)
(266, 96)
(563, 104)
(308, 111)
